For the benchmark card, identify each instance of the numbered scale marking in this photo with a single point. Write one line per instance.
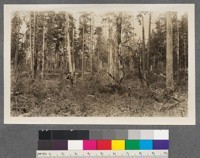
(103, 154)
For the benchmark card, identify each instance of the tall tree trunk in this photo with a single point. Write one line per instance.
(91, 44)
(185, 55)
(63, 57)
(82, 72)
(17, 45)
(68, 46)
(177, 52)
(52, 61)
(154, 63)
(57, 55)
(36, 48)
(65, 49)
(133, 44)
(143, 45)
(169, 54)
(43, 49)
(73, 60)
(47, 61)
(110, 51)
(120, 60)
(143, 54)
(98, 63)
(33, 52)
(149, 42)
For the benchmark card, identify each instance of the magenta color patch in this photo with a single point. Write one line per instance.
(89, 145)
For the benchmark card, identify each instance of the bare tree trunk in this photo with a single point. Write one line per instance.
(56, 59)
(47, 61)
(82, 72)
(65, 49)
(52, 61)
(98, 63)
(43, 49)
(154, 63)
(169, 54)
(115, 64)
(36, 49)
(133, 43)
(185, 55)
(110, 51)
(177, 52)
(120, 62)
(73, 60)
(143, 53)
(143, 45)
(149, 42)
(33, 52)
(91, 44)
(17, 47)
(63, 57)
(68, 46)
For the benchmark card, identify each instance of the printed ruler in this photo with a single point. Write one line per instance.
(103, 153)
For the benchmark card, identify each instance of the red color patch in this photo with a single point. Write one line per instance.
(104, 145)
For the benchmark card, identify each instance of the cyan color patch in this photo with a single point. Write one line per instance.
(146, 144)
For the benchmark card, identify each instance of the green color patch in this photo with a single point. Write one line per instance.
(132, 145)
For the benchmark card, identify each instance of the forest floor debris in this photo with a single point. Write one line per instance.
(54, 97)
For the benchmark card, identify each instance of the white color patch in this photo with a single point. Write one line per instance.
(75, 145)
(161, 134)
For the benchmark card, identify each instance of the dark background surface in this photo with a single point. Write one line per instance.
(20, 141)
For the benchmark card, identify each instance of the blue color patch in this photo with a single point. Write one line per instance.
(146, 144)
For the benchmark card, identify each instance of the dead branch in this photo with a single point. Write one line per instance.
(118, 82)
(169, 96)
(150, 88)
(170, 107)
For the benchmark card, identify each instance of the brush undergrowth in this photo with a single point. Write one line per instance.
(93, 97)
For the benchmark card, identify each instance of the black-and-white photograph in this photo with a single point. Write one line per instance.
(99, 63)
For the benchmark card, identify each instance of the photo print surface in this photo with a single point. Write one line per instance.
(99, 64)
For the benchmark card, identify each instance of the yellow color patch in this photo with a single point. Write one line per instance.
(118, 145)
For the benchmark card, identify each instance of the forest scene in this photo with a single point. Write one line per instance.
(86, 64)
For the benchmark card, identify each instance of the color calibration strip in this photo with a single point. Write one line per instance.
(114, 140)
(104, 145)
